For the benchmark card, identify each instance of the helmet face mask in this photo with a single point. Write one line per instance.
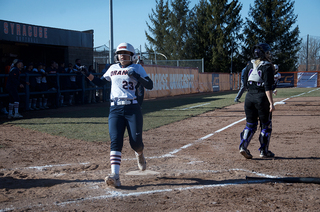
(262, 51)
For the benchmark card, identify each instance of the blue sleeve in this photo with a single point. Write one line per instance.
(242, 74)
(99, 81)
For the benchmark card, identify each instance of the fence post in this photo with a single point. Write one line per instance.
(27, 92)
(83, 89)
(202, 61)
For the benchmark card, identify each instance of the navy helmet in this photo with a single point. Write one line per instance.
(262, 50)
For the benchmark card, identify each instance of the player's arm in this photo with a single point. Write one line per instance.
(145, 81)
(139, 93)
(246, 74)
(268, 84)
(97, 81)
(270, 99)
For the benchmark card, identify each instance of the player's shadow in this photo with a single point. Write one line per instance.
(13, 183)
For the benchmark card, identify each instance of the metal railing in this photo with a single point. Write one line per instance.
(58, 91)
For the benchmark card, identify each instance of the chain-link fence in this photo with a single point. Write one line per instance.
(100, 56)
(196, 63)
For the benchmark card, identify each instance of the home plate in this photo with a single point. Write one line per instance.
(146, 172)
(279, 103)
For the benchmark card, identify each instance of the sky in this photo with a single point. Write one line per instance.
(129, 17)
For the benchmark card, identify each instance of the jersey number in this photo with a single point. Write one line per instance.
(127, 85)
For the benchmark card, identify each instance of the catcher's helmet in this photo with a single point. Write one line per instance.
(262, 50)
(126, 47)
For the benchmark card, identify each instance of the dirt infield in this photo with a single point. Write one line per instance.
(193, 165)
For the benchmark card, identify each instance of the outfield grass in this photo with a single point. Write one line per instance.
(92, 124)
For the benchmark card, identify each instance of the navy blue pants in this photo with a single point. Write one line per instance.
(13, 94)
(257, 106)
(128, 117)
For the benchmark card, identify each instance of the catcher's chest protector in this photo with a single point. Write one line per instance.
(255, 73)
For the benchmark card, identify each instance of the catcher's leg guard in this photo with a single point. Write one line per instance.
(246, 134)
(264, 137)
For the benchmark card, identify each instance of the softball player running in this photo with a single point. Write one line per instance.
(125, 112)
(258, 78)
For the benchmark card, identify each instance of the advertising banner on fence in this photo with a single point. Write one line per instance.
(215, 82)
(307, 79)
(287, 80)
(171, 82)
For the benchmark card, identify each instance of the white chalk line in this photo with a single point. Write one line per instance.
(115, 193)
(170, 154)
(45, 167)
(187, 108)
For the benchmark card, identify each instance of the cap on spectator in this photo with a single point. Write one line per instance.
(16, 61)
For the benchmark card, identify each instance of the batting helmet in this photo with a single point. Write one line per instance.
(276, 68)
(126, 47)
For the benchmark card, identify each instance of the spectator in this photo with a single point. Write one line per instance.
(33, 83)
(91, 93)
(52, 83)
(4, 101)
(73, 83)
(13, 84)
(79, 80)
(64, 81)
(44, 85)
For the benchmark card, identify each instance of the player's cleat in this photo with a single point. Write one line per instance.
(17, 116)
(10, 116)
(264, 154)
(113, 180)
(236, 100)
(245, 153)
(142, 164)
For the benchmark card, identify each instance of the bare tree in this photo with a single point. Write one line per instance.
(310, 53)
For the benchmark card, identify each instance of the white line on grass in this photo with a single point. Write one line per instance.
(187, 108)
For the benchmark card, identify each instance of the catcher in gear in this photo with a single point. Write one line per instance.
(259, 81)
(125, 112)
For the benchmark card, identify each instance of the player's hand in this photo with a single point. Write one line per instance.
(134, 74)
(272, 108)
(84, 71)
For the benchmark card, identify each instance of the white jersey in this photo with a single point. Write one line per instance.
(277, 77)
(122, 86)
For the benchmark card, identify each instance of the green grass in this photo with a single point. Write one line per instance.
(91, 124)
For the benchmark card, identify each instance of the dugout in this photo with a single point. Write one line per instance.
(43, 44)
